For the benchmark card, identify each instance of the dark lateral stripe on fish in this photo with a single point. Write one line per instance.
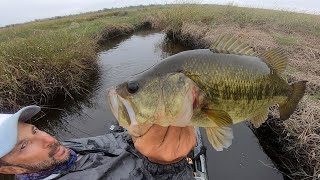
(253, 92)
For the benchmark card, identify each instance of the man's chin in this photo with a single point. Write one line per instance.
(49, 163)
(64, 154)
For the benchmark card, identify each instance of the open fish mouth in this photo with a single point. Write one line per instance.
(114, 100)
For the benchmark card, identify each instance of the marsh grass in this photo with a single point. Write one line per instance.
(44, 59)
(304, 128)
(283, 21)
(36, 68)
(294, 143)
(285, 39)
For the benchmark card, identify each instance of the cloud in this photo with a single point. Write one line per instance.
(18, 11)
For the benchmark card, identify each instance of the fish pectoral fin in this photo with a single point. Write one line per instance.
(289, 106)
(259, 119)
(219, 137)
(220, 117)
(228, 44)
(275, 58)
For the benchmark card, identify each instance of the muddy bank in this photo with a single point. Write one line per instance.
(111, 31)
(276, 142)
(294, 144)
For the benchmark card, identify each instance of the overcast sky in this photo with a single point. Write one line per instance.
(18, 11)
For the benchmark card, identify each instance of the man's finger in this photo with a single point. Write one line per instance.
(155, 134)
(172, 137)
(139, 130)
(188, 140)
(153, 137)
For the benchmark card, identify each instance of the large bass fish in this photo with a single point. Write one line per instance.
(212, 88)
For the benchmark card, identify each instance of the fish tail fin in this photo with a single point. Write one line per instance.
(289, 106)
(219, 137)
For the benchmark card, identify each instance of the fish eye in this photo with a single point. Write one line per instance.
(180, 79)
(132, 87)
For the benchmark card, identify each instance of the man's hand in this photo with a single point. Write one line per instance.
(166, 145)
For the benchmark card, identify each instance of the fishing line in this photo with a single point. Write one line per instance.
(44, 114)
(145, 69)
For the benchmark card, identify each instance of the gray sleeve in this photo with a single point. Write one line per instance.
(176, 171)
(113, 143)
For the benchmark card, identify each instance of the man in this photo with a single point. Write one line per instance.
(33, 154)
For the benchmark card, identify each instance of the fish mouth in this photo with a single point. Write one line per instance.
(114, 100)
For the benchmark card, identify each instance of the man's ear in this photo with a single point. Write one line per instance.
(12, 170)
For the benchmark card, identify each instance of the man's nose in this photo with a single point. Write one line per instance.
(46, 140)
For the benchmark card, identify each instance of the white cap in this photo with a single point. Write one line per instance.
(9, 127)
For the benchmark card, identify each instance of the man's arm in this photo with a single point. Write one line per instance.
(113, 143)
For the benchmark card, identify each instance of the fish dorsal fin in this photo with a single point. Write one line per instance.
(276, 58)
(229, 45)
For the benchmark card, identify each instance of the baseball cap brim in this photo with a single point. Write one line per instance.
(9, 127)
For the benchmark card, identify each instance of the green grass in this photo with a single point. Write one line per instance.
(64, 48)
(214, 15)
(43, 59)
(317, 95)
(35, 68)
(282, 39)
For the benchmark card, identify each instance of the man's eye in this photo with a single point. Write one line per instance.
(23, 146)
(35, 130)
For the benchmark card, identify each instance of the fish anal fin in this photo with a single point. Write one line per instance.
(260, 118)
(219, 137)
(289, 106)
(275, 58)
(220, 117)
(228, 44)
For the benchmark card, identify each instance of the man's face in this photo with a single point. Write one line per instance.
(35, 151)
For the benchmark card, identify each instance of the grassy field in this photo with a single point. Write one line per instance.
(43, 59)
